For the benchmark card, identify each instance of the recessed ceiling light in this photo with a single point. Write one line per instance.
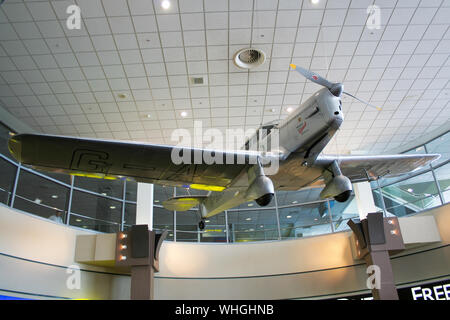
(314, 1)
(37, 200)
(295, 201)
(289, 109)
(165, 4)
(78, 220)
(248, 219)
(183, 114)
(288, 217)
(148, 115)
(206, 221)
(103, 193)
(55, 196)
(112, 207)
(156, 201)
(315, 219)
(410, 190)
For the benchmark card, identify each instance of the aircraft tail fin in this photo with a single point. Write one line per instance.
(182, 203)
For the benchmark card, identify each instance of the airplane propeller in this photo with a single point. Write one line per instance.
(337, 89)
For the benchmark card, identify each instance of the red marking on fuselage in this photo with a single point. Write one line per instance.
(302, 128)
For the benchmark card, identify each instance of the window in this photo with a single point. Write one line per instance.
(106, 187)
(253, 225)
(441, 146)
(411, 195)
(8, 175)
(304, 220)
(99, 210)
(443, 178)
(40, 196)
(163, 220)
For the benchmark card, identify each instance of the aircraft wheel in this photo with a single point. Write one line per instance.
(343, 196)
(264, 200)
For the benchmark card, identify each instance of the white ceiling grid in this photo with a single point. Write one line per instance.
(70, 82)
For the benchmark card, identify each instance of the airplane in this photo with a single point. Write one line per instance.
(302, 137)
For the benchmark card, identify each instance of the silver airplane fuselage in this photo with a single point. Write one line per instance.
(302, 136)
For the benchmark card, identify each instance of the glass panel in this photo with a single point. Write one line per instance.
(7, 174)
(63, 177)
(304, 220)
(101, 209)
(163, 220)
(341, 212)
(131, 192)
(93, 224)
(440, 145)
(253, 225)
(161, 193)
(187, 222)
(411, 195)
(285, 198)
(111, 188)
(42, 197)
(215, 229)
(443, 178)
(130, 214)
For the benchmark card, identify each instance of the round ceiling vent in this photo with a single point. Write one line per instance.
(249, 58)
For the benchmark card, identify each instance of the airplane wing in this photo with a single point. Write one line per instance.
(364, 168)
(111, 159)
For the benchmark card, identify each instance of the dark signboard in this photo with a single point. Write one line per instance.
(431, 291)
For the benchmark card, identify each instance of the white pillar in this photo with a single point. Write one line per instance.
(144, 204)
(364, 199)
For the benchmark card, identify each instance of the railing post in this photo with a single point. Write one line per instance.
(122, 222)
(278, 215)
(330, 215)
(226, 226)
(69, 207)
(16, 180)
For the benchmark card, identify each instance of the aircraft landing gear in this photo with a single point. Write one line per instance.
(201, 225)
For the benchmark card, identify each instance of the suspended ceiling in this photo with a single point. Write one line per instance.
(126, 73)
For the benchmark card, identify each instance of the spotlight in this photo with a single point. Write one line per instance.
(165, 4)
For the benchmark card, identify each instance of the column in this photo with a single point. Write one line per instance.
(144, 204)
(364, 199)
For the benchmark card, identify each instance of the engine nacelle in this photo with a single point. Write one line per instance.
(339, 187)
(261, 190)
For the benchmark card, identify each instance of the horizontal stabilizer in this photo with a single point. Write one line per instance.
(182, 203)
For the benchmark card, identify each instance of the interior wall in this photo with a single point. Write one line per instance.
(35, 253)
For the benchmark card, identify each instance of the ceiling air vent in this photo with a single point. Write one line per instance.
(197, 80)
(249, 58)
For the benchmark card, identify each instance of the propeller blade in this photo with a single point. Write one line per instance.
(365, 102)
(314, 77)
